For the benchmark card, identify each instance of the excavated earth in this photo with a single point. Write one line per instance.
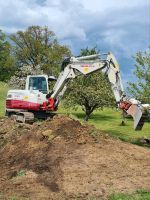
(62, 159)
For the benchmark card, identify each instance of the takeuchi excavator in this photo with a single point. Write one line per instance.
(36, 101)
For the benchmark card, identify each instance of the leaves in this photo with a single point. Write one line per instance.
(7, 64)
(141, 89)
(39, 46)
(37, 51)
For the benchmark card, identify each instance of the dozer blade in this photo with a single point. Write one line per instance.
(138, 115)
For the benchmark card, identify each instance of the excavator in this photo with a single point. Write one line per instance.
(36, 101)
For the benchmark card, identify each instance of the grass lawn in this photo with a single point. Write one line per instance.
(3, 92)
(139, 195)
(109, 121)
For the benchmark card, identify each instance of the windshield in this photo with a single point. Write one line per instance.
(38, 83)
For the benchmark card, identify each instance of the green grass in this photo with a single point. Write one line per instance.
(139, 195)
(109, 121)
(3, 92)
(21, 173)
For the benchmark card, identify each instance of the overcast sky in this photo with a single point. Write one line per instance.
(120, 26)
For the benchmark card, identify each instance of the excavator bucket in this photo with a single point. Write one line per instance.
(139, 115)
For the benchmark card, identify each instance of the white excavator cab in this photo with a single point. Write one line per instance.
(37, 82)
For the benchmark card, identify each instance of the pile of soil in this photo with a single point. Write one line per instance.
(62, 159)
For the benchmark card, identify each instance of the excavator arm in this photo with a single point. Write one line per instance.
(85, 65)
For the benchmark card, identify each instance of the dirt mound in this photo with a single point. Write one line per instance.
(62, 159)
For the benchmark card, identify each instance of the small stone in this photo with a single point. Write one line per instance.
(81, 140)
(47, 132)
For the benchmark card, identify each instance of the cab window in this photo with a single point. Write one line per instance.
(38, 83)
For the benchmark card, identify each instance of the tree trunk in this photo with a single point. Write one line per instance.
(87, 115)
(88, 112)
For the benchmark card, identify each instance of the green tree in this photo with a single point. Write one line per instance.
(38, 46)
(141, 88)
(90, 92)
(87, 51)
(7, 66)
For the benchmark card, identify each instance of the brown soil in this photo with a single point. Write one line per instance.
(62, 159)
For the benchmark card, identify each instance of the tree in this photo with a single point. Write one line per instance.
(141, 88)
(19, 79)
(38, 46)
(90, 92)
(7, 66)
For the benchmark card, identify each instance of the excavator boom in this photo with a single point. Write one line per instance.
(109, 66)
